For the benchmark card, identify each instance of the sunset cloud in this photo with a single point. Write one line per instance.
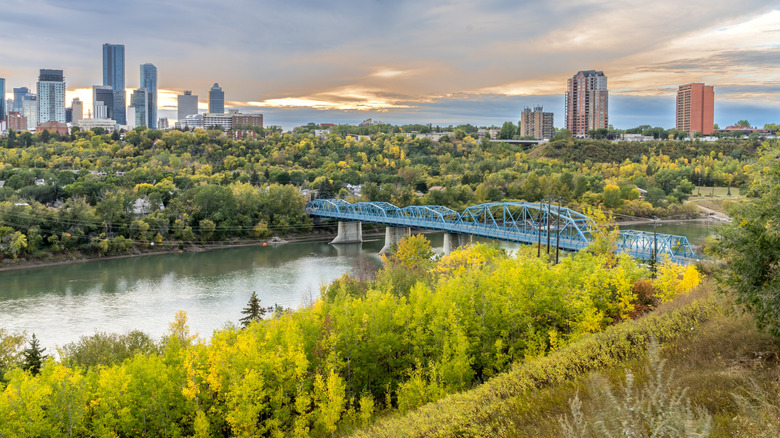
(408, 59)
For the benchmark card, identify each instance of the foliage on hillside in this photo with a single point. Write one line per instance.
(365, 347)
(100, 194)
(750, 245)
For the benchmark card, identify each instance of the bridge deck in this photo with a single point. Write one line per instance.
(520, 222)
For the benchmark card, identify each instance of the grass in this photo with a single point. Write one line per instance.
(704, 192)
(726, 366)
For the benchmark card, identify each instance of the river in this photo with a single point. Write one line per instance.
(64, 302)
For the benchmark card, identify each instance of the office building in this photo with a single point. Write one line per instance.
(695, 108)
(149, 82)
(3, 109)
(216, 100)
(77, 108)
(187, 105)
(89, 124)
(586, 102)
(51, 96)
(163, 123)
(102, 102)
(19, 94)
(114, 77)
(139, 101)
(536, 124)
(30, 110)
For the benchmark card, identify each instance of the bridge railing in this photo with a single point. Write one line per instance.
(511, 221)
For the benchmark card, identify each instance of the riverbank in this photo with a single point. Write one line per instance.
(141, 250)
(76, 257)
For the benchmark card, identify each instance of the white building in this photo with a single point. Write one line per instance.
(51, 97)
(30, 110)
(87, 124)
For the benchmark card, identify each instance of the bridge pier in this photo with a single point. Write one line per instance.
(453, 241)
(349, 232)
(394, 235)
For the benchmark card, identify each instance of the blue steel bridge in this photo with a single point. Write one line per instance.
(523, 222)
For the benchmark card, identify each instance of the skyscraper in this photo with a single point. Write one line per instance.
(30, 110)
(140, 101)
(78, 110)
(695, 108)
(216, 99)
(114, 76)
(51, 96)
(187, 105)
(149, 82)
(536, 124)
(103, 102)
(19, 94)
(3, 110)
(586, 102)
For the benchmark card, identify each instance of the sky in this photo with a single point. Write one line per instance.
(400, 61)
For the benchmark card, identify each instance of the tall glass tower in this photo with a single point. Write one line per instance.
(149, 82)
(140, 101)
(2, 99)
(114, 76)
(216, 99)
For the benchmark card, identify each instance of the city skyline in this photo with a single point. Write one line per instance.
(415, 62)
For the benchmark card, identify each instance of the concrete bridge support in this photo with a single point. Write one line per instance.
(453, 241)
(349, 232)
(394, 235)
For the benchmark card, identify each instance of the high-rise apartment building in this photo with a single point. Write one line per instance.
(114, 77)
(51, 96)
(696, 108)
(536, 124)
(77, 106)
(216, 100)
(187, 105)
(587, 102)
(149, 82)
(3, 109)
(102, 102)
(140, 101)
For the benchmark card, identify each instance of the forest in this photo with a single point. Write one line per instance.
(92, 194)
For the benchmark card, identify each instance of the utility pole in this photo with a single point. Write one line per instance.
(557, 232)
(549, 202)
(539, 232)
(654, 258)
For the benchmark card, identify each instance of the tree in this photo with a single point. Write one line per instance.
(508, 131)
(750, 245)
(743, 124)
(253, 311)
(33, 357)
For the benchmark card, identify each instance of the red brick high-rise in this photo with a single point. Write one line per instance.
(587, 102)
(695, 108)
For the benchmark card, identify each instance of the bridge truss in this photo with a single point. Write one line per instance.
(523, 222)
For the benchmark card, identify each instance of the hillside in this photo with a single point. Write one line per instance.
(726, 366)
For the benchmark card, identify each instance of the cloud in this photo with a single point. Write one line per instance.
(374, 55)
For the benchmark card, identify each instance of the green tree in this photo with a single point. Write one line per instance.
(508, 131)
(33, 357)
(743, 124)
(750, 245)
(253, 311)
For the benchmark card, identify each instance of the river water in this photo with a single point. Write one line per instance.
(62, 303)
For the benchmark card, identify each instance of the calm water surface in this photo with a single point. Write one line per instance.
(62, 303)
